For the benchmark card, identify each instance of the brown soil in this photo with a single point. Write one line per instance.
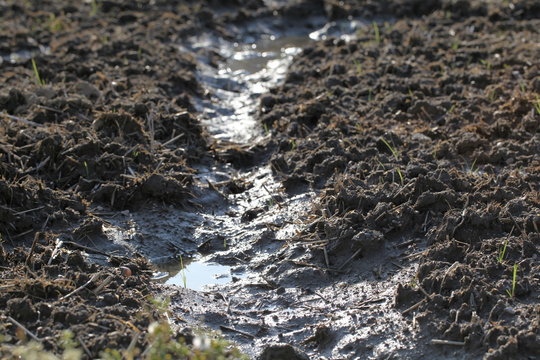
(430, 133)
(109, 310)
(111, 126)
(421, 141)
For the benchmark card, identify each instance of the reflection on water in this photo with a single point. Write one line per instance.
(253, 58)
(21, 56)
(195, 275)
(251, 70)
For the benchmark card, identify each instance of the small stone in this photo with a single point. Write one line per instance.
(126, 272)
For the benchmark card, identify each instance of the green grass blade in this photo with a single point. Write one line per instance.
(394, 152)
(502, 252)
(183, 273)
(401, 179)
(514, 278)
(36, 73)
(377, 33)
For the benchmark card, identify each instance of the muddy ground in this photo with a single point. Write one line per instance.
(371, 182)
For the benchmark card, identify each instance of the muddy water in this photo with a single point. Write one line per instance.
(290, 304)
(252, 68)
(198, 275)
(235, 278)
(236, 85)
(229, 114)
(23, 55)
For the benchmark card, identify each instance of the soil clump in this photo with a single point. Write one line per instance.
(426, 129)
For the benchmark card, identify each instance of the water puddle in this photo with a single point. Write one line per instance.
(343, 29)
(229, 113)
(250, 70)
(266, 54)
(250, 229)
(196, 275)
(228, 110)
(24, 55)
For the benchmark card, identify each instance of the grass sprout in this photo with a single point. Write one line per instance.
(183, 273)
(293, 144)
(487, 64)
(358, 67)
(473, 167)
(377, 33)
(391, 148)
(55, 24)
(537, 105)
(502, 251)
(401, 179)
(86, 169)
(381, 164)
(512, 292)
(395, 154)
(95, 8)
(39, 81)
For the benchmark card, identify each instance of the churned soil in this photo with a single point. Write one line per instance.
(112, 120)
(425, 133)
(52, 291)
(97, 114)
(420, 133)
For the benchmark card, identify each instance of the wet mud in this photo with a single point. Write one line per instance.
(313, 179)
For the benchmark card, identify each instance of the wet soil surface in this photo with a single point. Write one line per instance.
(364, 175)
